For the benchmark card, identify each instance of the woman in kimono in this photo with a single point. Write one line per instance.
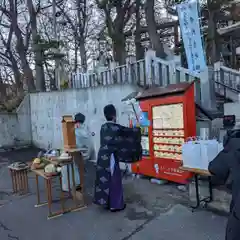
(117, 144)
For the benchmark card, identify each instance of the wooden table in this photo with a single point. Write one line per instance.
(48, 187)
(197, 173)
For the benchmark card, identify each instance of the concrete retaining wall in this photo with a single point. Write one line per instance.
(15, 128)
(8, 129)
(48, 108)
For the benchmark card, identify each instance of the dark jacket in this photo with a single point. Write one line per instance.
(227, 166)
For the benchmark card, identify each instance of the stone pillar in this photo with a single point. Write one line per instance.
(149, 56)
(208, 95)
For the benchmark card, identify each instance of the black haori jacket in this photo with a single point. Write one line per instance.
(226, 168)
(123, 142)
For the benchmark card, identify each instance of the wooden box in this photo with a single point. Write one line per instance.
(68, 130)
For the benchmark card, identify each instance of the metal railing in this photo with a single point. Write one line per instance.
(226, 80)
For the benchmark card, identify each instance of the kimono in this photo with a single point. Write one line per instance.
(225, 168)
(117, 144)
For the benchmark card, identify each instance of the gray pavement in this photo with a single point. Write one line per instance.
(181, 223)
(153, 212)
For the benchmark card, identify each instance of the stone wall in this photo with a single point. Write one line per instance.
(24, 121)
(8, 129)
(48, 108)
(15, 128)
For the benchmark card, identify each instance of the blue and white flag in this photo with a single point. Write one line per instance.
(191, 34)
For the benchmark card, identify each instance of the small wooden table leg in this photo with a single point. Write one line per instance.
(74, 185)
(81, 172)
(26, 180)
(61, 194)
(38, 194)
(49, 196)
(68, 176)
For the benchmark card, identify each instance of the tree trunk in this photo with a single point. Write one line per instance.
(83, 54)
(75, 54)
(81, 6)
(16, 72)
(119, 51)
(21, 50)
(138, 45)
(40, 76)
(152, 29)
(27, 71)
(38, 53)
(17, 78)
(3, 93)
(28, 76)
(211, 36)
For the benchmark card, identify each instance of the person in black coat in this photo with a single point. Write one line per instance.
(226, 169)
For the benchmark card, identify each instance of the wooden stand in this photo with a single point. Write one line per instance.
(68, 130)
(72, 192)
(19, 180)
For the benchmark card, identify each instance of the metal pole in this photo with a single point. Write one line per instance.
(56, 39)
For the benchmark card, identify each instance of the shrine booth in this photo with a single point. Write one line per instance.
(171, 113)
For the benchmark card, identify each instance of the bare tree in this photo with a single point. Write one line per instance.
(10, 58)
(38, 51)
(152, 29)
(138, 41)
(10, 10)
(77, 18)
(117, 14)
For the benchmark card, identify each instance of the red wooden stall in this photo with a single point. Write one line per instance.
(171, 112)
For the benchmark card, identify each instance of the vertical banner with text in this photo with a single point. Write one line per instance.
(191, 34)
